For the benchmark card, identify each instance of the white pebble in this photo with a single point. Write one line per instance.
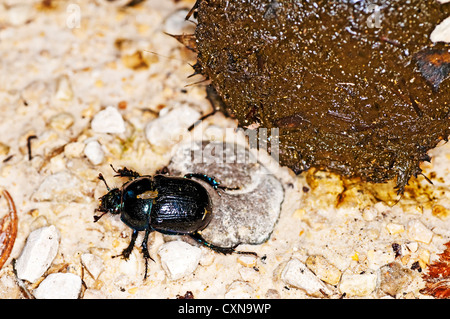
(94, 152)
(176, 24)
(381, 207)
(369, 213)
(323, 269)
(296, 274)
(358, 284)
(442, 32)
(207, 257)
(64, 89)
(74, 149)
(108, 120)
(379, 257)
(59, 286)
(61, 121)
(132, 267)
(168, 129)
(37, 255)
(93, 264)
(179, 259)
(417, 231)
(412, 246)
(20, 14)
(394, 228)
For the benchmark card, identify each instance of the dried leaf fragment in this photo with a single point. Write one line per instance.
(434, 64)
(8, 230)
(437, 279)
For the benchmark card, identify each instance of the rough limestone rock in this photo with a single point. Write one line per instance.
(246, 215)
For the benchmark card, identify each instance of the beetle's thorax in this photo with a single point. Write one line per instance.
(137, 199)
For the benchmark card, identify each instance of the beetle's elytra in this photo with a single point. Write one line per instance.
(167, 204)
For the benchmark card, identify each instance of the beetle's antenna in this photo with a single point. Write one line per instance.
(100, 177)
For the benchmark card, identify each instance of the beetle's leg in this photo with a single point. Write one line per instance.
(215, 100)
(223, 250)
(127, 251)
(145, 252)
(201, 240)
(200, 120)
(125, 172)
(210, 180)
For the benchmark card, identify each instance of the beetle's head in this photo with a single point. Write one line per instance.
(110, 202)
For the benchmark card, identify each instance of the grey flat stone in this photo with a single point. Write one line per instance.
(246, 215)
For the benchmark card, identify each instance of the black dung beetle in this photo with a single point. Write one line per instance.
(167, 204)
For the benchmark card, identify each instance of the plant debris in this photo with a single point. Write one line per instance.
(434, 64)
(437, 278)
(8, 230)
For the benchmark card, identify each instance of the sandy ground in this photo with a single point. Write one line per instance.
(62, 65)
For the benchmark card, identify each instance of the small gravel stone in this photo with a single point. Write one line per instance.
(179, 258)
(394, 278)
(75, 149)
(108, 120)
(37, 255)
(441, 33)
(272, 294)
(132, 267)
(59, 286)
(417, 231)
(424, 257)
(369, 213)
(93, 263)
(412, 246)
(94, 152)
(360, 285)
(394, 228)
(176, 24)
(440, 212)
(380, 257)
(323, 269)
(61, 121)
(296, 274)
(4, 149)
(19, 14)
(168, 129)
(246, 215)
(63, 89)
